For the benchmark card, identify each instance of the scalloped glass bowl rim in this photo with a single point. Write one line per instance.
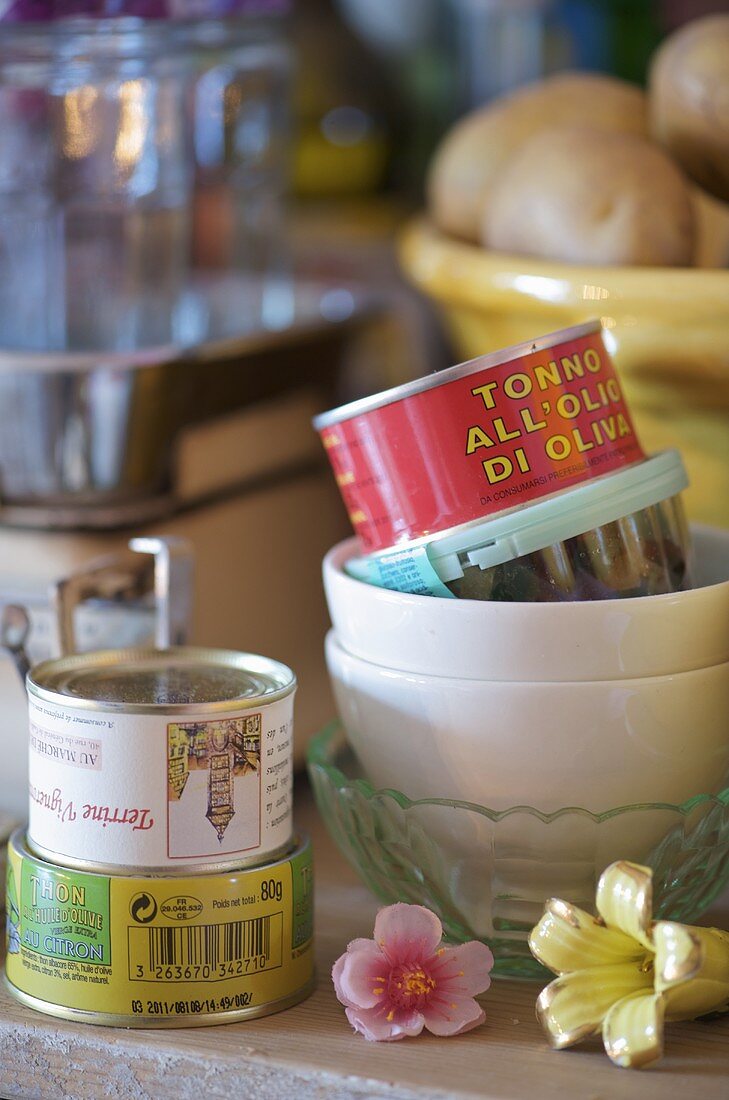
(325, 744)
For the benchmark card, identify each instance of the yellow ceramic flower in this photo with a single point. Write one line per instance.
(624, 974)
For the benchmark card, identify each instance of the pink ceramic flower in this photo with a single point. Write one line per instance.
(403, 980)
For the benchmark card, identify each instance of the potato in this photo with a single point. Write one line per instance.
(577, 195)
(689, 101)
(473, 152)
(712, 230)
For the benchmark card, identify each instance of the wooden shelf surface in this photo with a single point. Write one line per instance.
(310, 1051)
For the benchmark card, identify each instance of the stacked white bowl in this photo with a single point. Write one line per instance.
(597, 704)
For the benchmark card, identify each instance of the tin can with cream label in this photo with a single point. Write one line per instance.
(160, 760)
(141, 951)
(469, 442)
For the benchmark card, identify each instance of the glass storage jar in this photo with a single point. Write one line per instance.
(621, 535)
(132, 149)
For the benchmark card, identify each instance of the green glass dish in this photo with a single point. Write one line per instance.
(487, 873)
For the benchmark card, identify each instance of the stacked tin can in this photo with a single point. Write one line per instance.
(160, 883)
(517, 476)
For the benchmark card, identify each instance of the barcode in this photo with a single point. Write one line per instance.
(206, 951)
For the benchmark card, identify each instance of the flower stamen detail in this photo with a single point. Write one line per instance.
(418, 976)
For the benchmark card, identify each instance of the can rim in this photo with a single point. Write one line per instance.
(254, 862)
(452, 374)
(160, 1023)
(300, 842)
(104, 658)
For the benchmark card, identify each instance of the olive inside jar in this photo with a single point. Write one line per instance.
(622, 535)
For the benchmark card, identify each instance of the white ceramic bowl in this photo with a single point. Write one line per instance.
(596, 640)
(597, 745)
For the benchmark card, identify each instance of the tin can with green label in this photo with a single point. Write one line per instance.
(164, 951)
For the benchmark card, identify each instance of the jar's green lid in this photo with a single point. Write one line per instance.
(563, 516)
(531, 527)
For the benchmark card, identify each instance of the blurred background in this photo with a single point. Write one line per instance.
(212, 227)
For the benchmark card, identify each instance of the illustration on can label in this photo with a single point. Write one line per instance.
(140, 790)
(159, 948)
(214, 773)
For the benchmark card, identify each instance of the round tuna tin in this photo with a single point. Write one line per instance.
(159, 951)
(465, 443)
(160, 760)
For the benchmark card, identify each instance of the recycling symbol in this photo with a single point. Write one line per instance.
(143, 908)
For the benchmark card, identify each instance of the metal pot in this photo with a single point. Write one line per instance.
(87, 430)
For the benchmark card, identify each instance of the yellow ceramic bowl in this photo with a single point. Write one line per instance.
(667, 329)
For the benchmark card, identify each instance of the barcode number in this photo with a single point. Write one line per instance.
(205, 952)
